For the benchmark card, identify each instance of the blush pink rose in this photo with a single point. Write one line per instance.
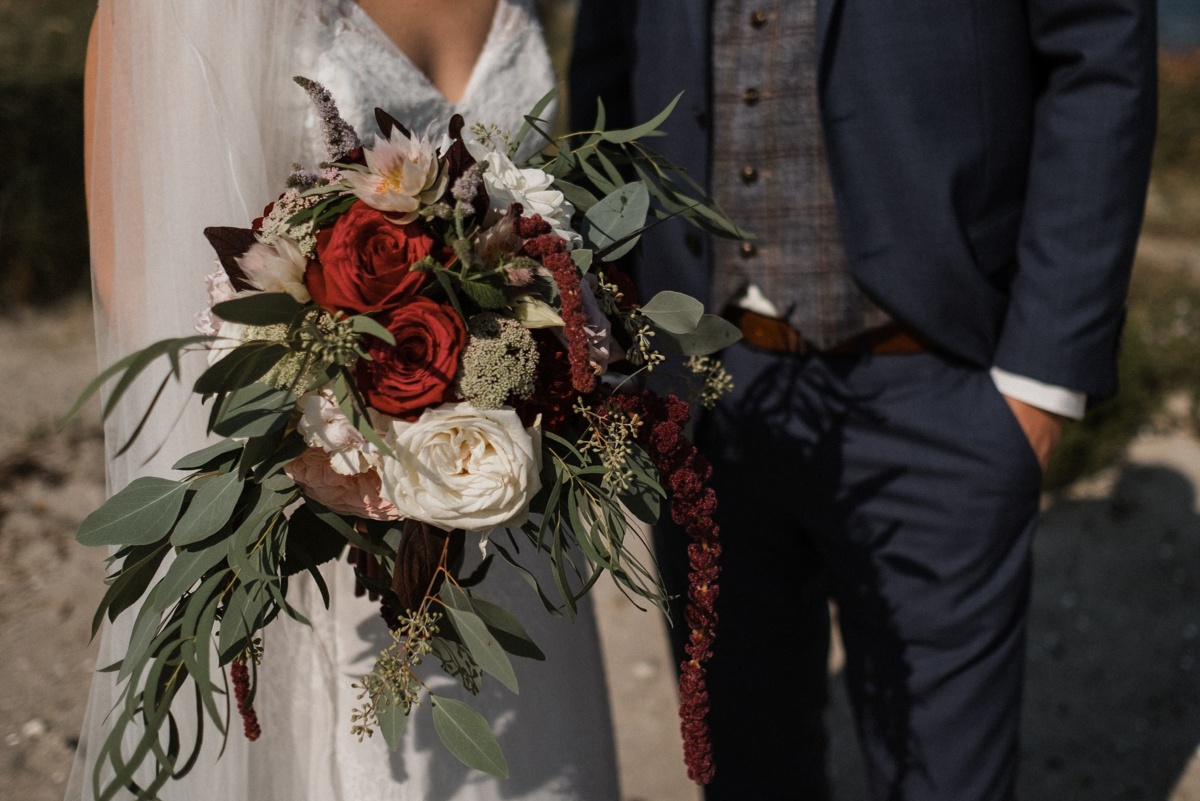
(356, 495)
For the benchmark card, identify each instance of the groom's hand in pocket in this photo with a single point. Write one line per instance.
(1042, 428)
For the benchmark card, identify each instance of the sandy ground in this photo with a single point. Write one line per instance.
(1112, 709)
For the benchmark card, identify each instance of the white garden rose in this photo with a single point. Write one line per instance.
(532, 188)
(462, 467)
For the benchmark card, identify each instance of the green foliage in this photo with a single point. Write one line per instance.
(612, 226)
(480, 642)
(260, 309)
(141, 513)
(673, 312)
(608, 161)
(43, 218)
(468, 736)
(686, 330)
(1178, 144)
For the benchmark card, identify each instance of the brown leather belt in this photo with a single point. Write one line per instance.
(770, 333)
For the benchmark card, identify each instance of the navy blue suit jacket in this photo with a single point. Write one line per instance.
(989, 158)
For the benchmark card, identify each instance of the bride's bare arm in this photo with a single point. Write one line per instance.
(97, 157)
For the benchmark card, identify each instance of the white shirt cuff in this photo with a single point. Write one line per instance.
(1059, 400)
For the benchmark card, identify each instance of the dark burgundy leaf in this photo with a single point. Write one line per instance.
(387, 122)
(459, 160)
(421, 551)
(230, 243)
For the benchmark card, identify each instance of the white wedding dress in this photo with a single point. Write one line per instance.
(556, 735)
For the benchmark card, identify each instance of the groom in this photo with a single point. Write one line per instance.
(946, 196)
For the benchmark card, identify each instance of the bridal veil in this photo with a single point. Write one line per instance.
(194, 117)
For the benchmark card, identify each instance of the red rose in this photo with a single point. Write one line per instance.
(420, 370)
(363, 261)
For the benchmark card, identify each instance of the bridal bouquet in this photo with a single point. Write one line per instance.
(420, 344)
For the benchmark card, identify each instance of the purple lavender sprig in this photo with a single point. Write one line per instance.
(340, 137)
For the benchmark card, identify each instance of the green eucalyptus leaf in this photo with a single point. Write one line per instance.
(214, 457)
(392, 722)
(188, 568)
(711, 335)
(255, 411)
(529, 579)
(443, 278)
(210, 510)
(534, 116)
(131, 582)
(507, 629)
(236, 622)
(457, 663)
(130, 368)
(468, 736)
(617, 219)
(483, 644)
(674, 312)
(644, 496)
(197, 627)
(365, 325)
(338, 523)
(140, 514)
(598, 179)
(344, 391)
(240, 367)
(609, 168)
(583, 259)
(292, 447)
(259, 309)
(581, 198)
(265, 508)
(260, 447)
(311, 542)
(648, 128)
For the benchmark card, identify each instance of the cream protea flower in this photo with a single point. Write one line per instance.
(277, 267)
(404, 174)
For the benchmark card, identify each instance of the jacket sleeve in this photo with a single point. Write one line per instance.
(1094, 123)
(602, 62)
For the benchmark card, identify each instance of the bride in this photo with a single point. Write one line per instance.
(193, 120)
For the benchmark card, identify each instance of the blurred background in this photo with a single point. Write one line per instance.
(1114, 666)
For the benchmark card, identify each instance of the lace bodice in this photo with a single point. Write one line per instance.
(364, 68)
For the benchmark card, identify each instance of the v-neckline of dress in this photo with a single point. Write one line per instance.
(378, 32)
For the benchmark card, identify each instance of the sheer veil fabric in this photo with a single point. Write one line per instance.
(197, 123)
